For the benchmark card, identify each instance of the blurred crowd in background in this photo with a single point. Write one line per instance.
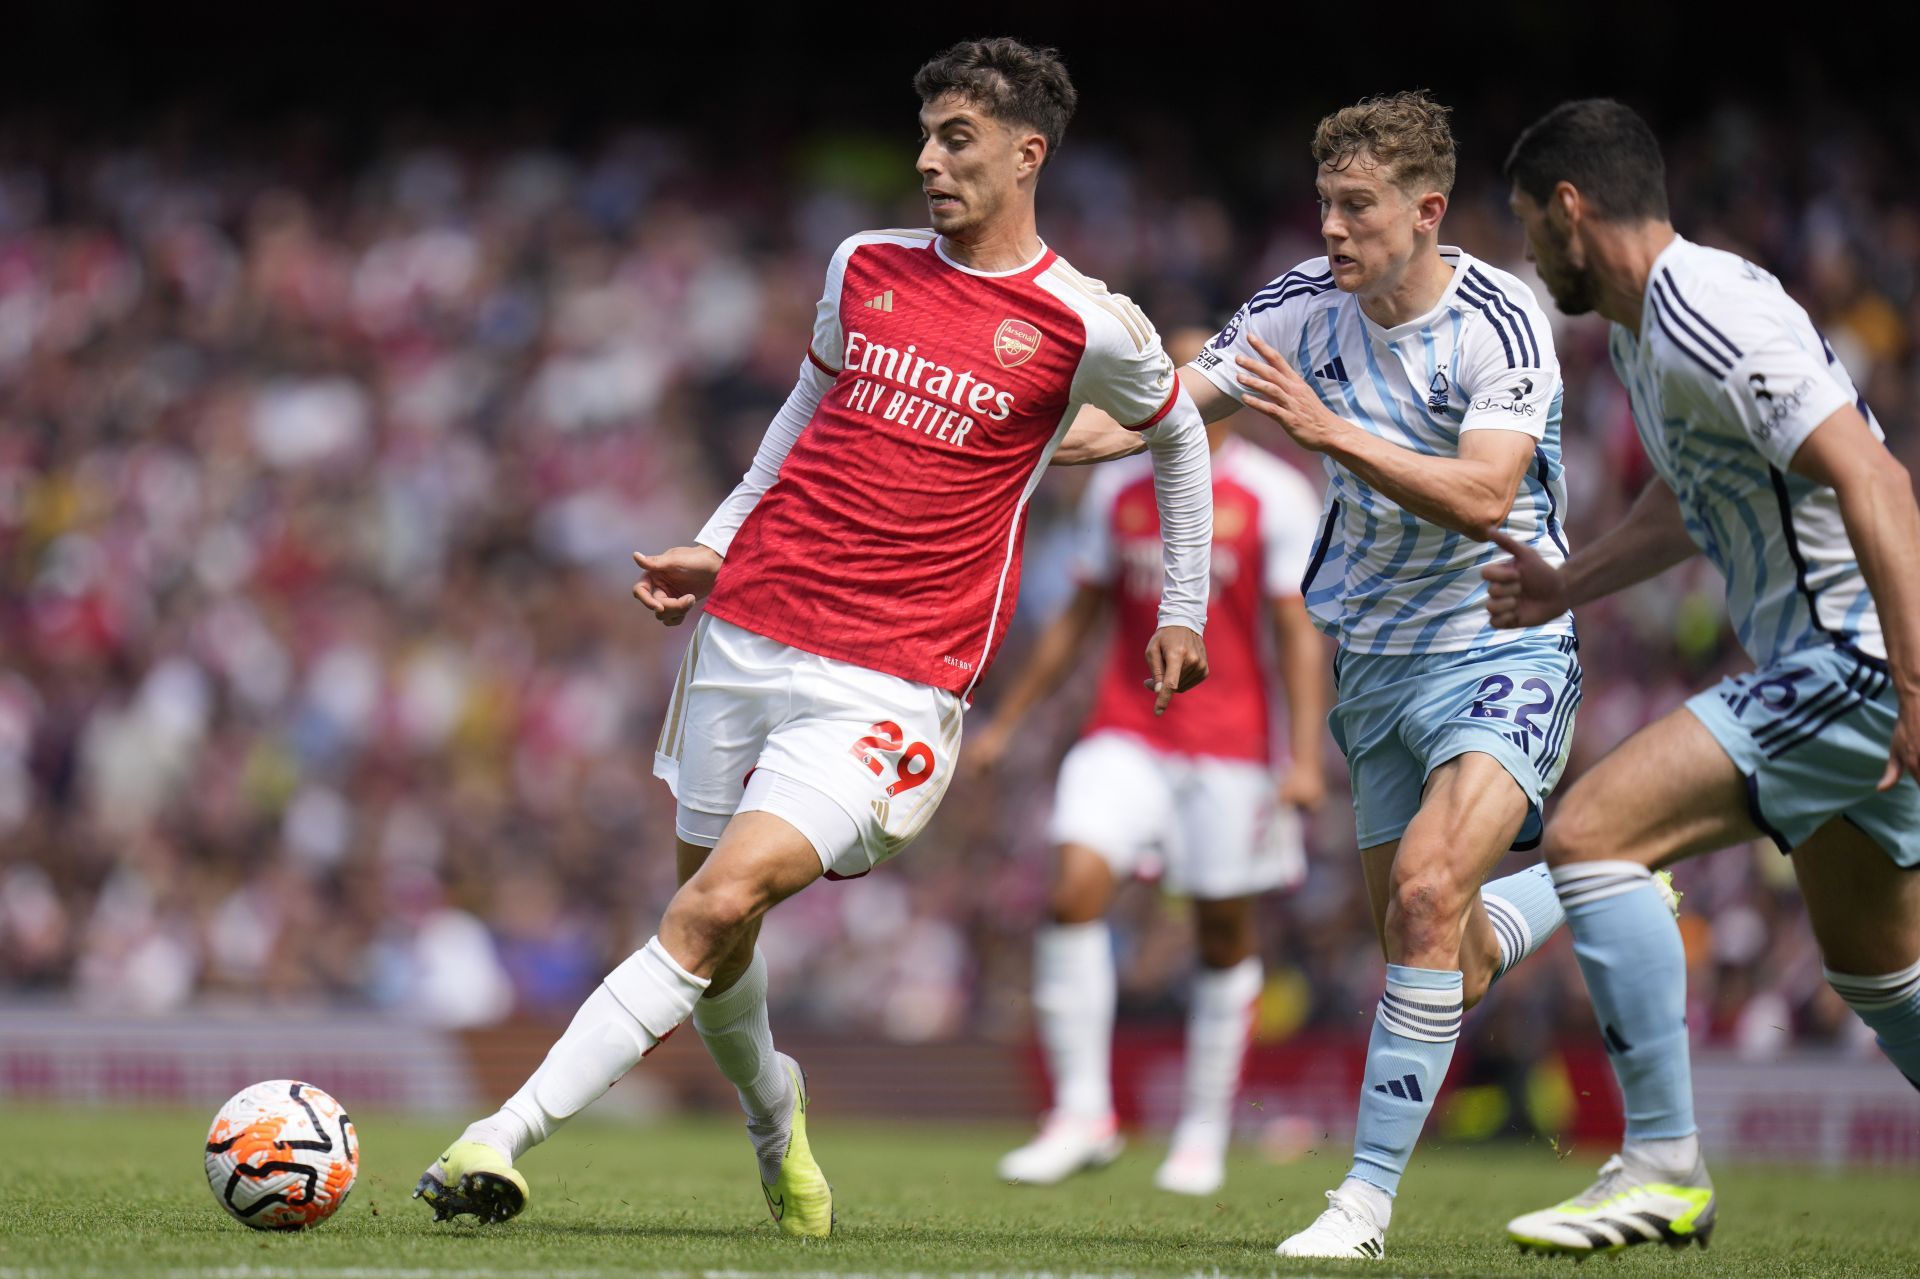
(320, 683)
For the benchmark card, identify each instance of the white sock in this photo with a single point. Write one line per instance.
(1675, 1156)
(733, 1025)
(638, 1005)
(1377, 1202)
(1073, 995)
(1219, 1023)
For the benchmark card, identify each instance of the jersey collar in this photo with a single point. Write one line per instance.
(1666, 258)
(1461, 262)
(1039, 259)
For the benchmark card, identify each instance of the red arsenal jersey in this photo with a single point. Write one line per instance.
(1265, 515)
(892, 537)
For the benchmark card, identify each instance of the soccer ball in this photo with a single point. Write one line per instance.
(282, 1155)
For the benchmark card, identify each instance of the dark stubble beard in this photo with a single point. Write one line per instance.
(1573, 289)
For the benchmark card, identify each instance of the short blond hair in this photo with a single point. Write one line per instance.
(1406, 134)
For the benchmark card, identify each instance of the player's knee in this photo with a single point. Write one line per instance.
(1575, 834)
(1223, 933)
(1082, 886)
(1424, 914)
(719, 910)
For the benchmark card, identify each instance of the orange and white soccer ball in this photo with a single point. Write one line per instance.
(282, 1155)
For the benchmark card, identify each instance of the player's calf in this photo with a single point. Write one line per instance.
(1890, 1003)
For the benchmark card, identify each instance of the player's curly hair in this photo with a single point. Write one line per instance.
(1013, 82)
(1404, 133)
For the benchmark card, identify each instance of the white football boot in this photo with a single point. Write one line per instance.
(1631, 1203)
(1192, 1169)
(1346, 1230)
(1066, 1144)
(1193, 1164)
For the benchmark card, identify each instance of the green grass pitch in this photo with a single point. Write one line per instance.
(106, 1194)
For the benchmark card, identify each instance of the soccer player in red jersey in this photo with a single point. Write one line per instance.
(858, 582)
(1198, 789)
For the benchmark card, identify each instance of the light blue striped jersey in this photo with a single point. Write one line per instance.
(1728, 378)
(1382, 580)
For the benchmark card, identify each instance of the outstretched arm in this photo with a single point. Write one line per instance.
(1059, 647)
(1183, 490)
(1469, 494)
(1096, 437)
(1883, 524)
(1528, 591)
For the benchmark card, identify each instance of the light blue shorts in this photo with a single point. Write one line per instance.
(1812, 732)
(1399, 718)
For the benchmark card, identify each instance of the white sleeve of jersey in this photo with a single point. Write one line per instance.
(1125, 373)
(829, 345)
(1183, 490)
(779, 440)
(1095, 561)
(1778, 391)
(1507, 370)
(1289, 525)
(1273, 314)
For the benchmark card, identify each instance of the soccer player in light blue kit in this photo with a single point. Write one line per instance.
(1768, 461)
(1428, 382)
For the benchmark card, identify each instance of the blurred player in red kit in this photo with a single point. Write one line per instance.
(1195, 792)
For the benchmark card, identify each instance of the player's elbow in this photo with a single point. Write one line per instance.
(1896, 477)
(1478, 516)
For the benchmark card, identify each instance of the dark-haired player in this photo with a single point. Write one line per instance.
(858, 583)
(1766, 459)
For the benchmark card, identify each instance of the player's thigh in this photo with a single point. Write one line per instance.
(1864, 909)
(1471, 811)
(1812, 732)
(1232, 836)
(1668, 792)
(1114, 798)
(860, 761)
(731, 684)
(710, 924)
(1400, 718)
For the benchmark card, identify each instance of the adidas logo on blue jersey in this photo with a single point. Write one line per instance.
(1335, 371)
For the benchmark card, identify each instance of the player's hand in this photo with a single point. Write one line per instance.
(1303, 788)
(672, 581)
(982, 751)
(1276, 389)
(1178, 661)
(1525, 590)
(1904, 755)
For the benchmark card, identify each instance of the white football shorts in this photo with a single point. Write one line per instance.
(855, 759)
(1214, 826)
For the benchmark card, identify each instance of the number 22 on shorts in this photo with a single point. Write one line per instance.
(916, 761)
(1495, 688)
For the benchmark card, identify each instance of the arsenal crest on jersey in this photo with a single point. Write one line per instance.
(1014, 343)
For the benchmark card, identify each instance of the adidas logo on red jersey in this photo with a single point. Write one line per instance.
(882, 302)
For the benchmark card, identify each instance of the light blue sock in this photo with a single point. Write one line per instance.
(1414, 1031)
(1525, 912)
(1629, 950)
(1891, 1005)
